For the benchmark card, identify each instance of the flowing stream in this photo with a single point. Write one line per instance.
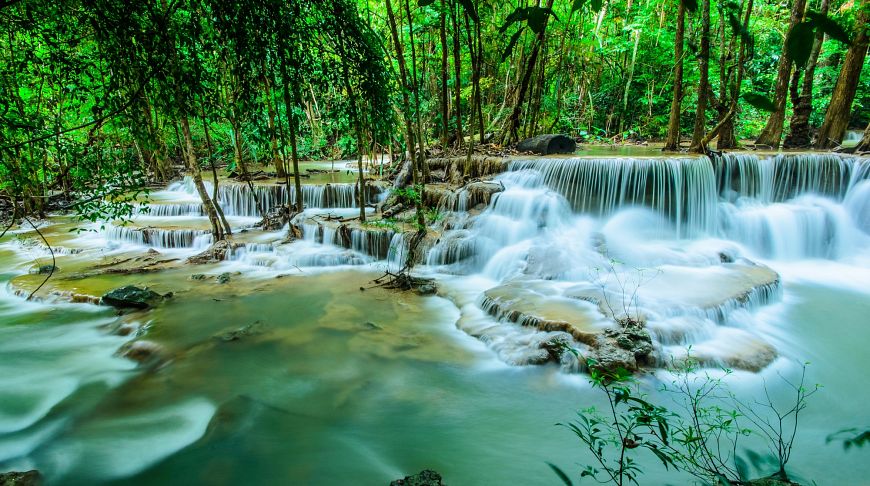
(289, 373)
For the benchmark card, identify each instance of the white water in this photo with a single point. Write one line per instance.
(553, 231)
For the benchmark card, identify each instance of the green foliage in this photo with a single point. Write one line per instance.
(700, 435)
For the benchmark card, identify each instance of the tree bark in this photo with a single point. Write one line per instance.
(839, 110)
(704, 83)
(193, 167)
(672, 142)
(800, 135)
(457, 72)
(864, 144)
(511, 131)
(445, 115)
(771, 134)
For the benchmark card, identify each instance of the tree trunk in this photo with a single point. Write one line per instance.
(444, 96)
(511, 131)
(403, 74)
(864, 144)
(672, 142)
(291, 127)
(215, 181)
(772, 132)
(704, 83)
(839, 110)
(277, 161)
(800, 135)
(457, 72)
(193, 167)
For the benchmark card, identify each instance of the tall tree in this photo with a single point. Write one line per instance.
(672, 141)
(840, 108)
(771, 134)
(704, 84)
(799, 135)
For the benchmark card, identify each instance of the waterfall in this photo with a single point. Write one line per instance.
(159, 237)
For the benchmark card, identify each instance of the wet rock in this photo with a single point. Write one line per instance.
(198, 276)
(142, 352)
(548, 144)
(426, 477)
(242, 332)
(372, 326)
(223, 278)
(45, 269)
(131, 297)
(215, 253)
(427, 288)
(628, 347)
(15, 478)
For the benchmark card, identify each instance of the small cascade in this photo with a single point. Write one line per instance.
(174, 209)
(785, 176)
(683, 189)
(159, 238)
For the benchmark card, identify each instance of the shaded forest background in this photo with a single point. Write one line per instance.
(99, 98)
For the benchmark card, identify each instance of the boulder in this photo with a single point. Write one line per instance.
(142, 352)
(27, 478)
(426, 477)
(548, 144)
(131, 297)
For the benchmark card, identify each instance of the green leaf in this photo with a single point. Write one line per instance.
(596, 5)
(829, 26)
(513, 42)
(470, 9)
(518, 15)
(564, 477)
(537, 18)
(799, 43)
(577, 5)
(761, 102)
(425, 3)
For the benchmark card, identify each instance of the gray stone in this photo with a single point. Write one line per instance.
(131, 297)
(426, 477)
(15, 478)
(548, 144)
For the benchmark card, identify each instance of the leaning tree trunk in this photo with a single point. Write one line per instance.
(672, 142)
(704, 84)
(772, 132)
(193, 167)
(800, 135)
(864, 144)
(511, 131)
(837, 117)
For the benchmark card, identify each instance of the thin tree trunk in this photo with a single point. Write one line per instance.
(704, 83)
(840, 108)
(277, 161)
(772, 132)
(732, 112)
(511, 131)
(800, 135)
(864, 144)
(672, 142)
(457, 73)
(215, 181)
(445, 115)
(193, 166)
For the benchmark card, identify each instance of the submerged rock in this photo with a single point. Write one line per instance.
(223, 278)
(45, 269)
(142, 352)
(426, 477)
(548, 144)
(15, 478)
(131, 297)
